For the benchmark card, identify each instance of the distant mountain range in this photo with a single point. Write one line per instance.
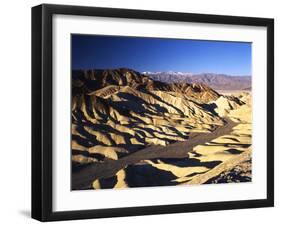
(215, 81)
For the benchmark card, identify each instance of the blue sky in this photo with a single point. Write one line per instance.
(159, 54)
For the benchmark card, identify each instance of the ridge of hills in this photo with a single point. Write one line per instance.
(88, 81)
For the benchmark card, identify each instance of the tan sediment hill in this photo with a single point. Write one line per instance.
(224, 104)
(198, 91)
(116, 113)
(238, 107)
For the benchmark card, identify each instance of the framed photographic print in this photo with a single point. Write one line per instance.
(145, 112)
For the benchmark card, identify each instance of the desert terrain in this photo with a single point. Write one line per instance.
(131, 130)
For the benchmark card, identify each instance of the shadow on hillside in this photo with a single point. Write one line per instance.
(188, 162)
(148, 176)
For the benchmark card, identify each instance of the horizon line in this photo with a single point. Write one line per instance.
(170, 71)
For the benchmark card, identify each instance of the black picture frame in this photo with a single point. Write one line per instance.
(42, 111)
